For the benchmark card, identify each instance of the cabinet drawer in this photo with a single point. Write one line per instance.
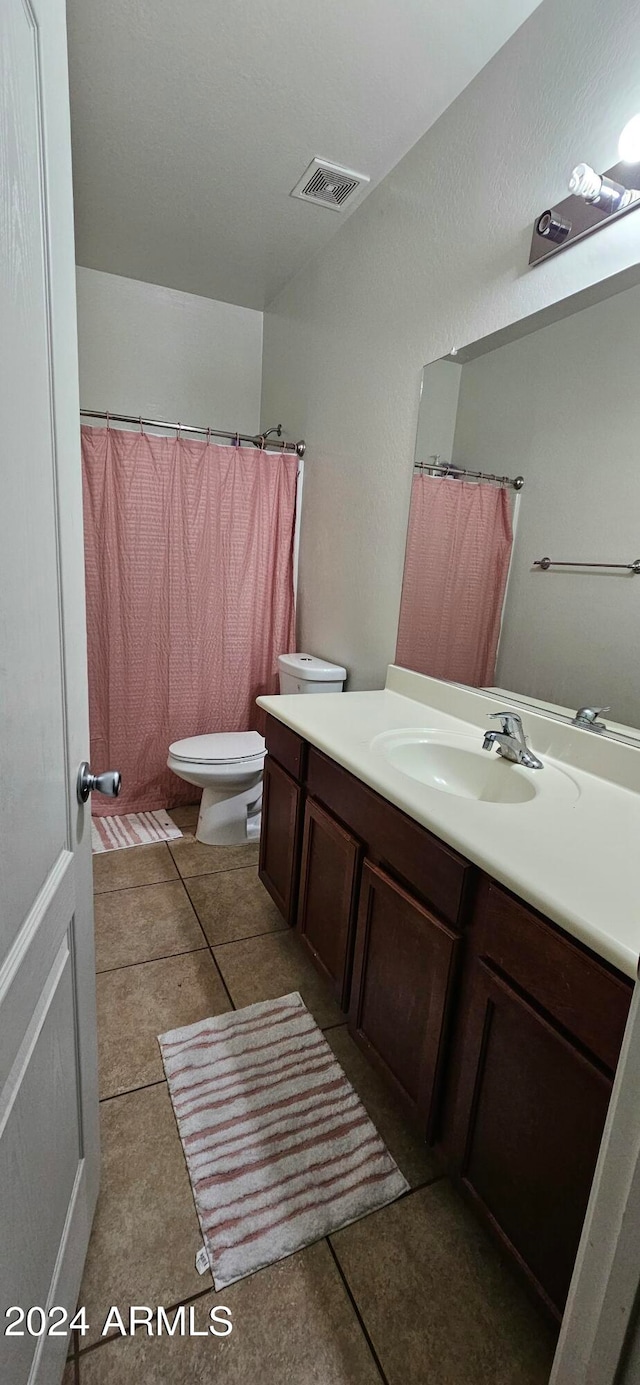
(566, 981)
(286, 747)
(329, 879)
(393, 840)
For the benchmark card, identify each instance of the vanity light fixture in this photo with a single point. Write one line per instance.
(595, 198)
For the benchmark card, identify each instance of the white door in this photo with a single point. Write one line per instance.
(48, 1090)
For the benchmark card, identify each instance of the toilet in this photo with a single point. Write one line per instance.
(228, 765)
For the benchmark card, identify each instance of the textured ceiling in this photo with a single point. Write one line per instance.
(193, 119)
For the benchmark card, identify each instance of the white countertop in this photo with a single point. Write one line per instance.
(577, 862)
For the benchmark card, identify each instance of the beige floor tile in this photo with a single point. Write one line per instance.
(150, 921)
(292, 1325)
(194, 858)
(135, 1004)
(263, 968)
(186, 817)
(416, 1161)
(233, 904)
(134, 865)
(437, 1299)
(145, 1235)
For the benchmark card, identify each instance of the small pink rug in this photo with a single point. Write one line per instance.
(132, 829)
(279, 1147)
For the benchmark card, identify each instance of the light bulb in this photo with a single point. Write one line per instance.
(629, 142)
(585, 182)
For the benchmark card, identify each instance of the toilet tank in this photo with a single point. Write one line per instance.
(304, 673)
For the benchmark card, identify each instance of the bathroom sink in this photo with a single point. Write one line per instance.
(457, 764)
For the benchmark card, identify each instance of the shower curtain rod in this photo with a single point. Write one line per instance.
(259, 440)
(448, 469)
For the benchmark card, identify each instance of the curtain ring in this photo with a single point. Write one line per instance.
(178, 437)
(262, 442)
(140, 422)
(107, 413)
(209, 436)
(237, 441)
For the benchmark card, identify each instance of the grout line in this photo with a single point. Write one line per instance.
(419, 1187)
(168, 879)
(118, 889)
(209, 947)
(267, 933)
(76, 1359)
(193, 1298)
(113, 1096)
(201, 927)
(226, 988)
(217, 870)
(169, 1308)
(339, 1024)
(145, 884)
(93, 1346)
(362, 1324)
(143, 961)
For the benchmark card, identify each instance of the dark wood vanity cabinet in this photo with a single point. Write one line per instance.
(403, 973)
(499, 1032)
(329, 881)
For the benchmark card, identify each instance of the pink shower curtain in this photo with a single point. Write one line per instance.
(189, 568)
(457, 560)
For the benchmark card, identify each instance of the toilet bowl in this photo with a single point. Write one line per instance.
(227, 766)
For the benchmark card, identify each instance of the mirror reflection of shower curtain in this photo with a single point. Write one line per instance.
(459, 543)
(189, 577)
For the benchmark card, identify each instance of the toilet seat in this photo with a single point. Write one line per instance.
(222, 747)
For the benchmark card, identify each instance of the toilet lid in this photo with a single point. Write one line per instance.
(227, 746)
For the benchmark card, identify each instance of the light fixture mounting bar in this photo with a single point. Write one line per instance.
(574, 218)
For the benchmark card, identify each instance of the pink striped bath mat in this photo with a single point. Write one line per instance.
(279, 1148)
(132, 829)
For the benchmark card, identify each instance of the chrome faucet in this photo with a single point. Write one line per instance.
(511, 741)
(587, 718)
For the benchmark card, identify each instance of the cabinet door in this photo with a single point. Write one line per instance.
(530, 1113)
(280, 837)
(328, 890)
(402, 979)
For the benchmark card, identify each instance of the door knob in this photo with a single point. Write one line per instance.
(108, 783)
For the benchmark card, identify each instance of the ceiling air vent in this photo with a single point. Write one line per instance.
(329, 185)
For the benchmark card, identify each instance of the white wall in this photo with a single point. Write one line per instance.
(562, 407)
(154, 351)
(435, 257)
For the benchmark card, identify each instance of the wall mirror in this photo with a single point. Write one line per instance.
(528, 449)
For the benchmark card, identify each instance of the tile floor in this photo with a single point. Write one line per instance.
(414, 1293)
